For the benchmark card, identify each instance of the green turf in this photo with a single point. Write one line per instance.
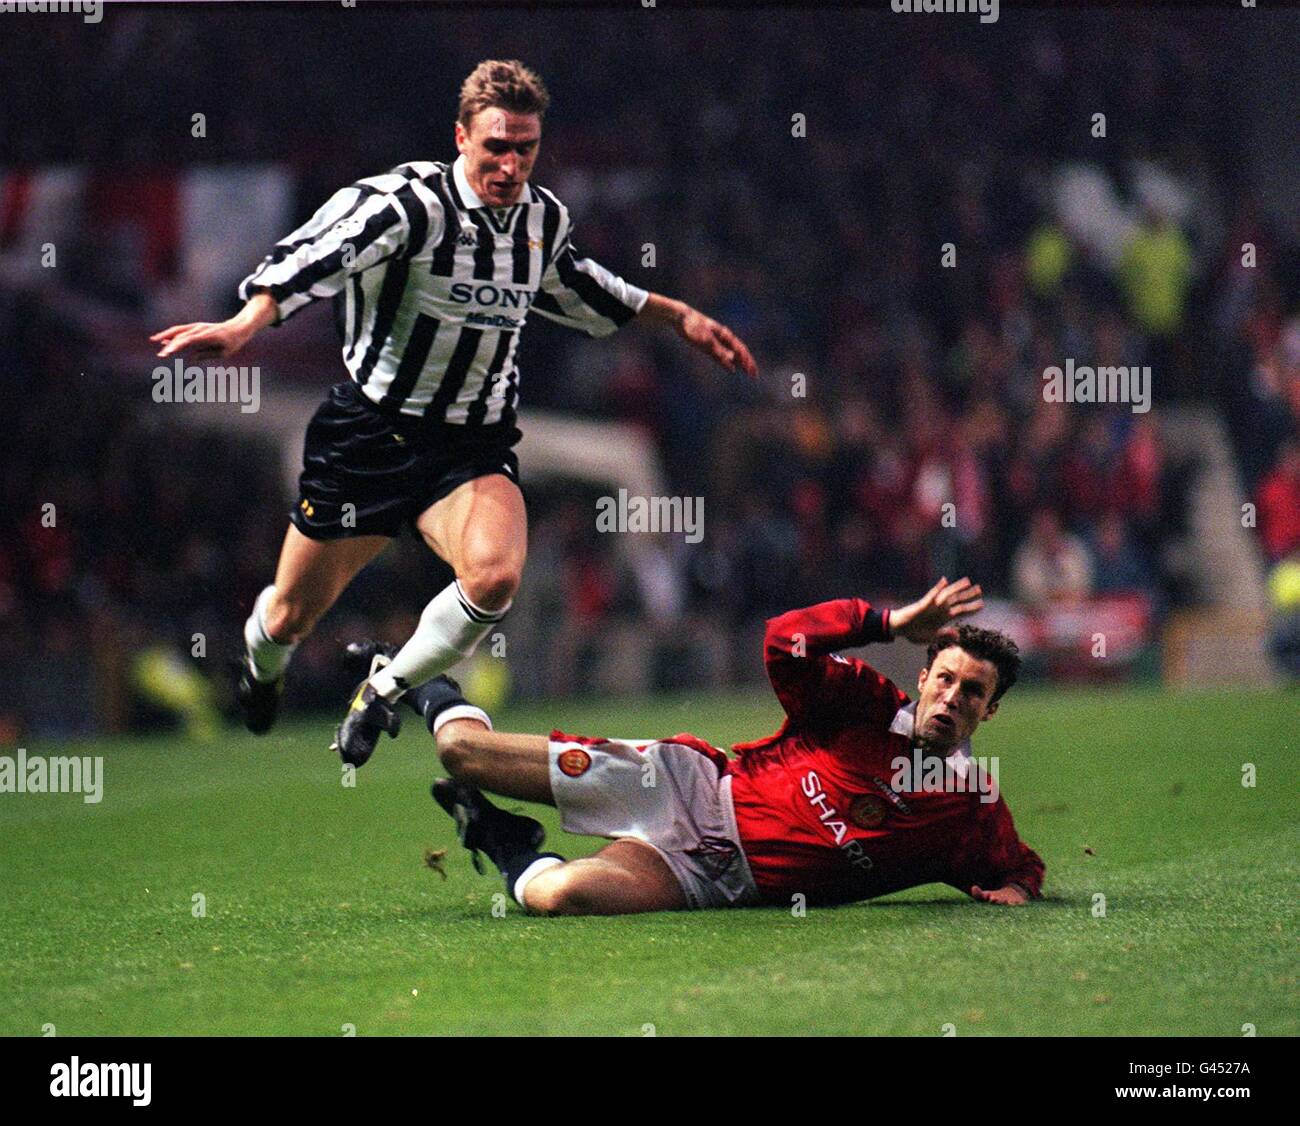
(320, 913)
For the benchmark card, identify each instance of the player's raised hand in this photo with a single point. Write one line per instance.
(943, 603)
(217, 339)
(1009, 896)
(202, 340)
(718, 341)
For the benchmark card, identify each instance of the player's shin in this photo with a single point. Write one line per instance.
(450, 629)
(266, 657)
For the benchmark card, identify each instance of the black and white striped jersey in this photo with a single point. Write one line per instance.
(433, 286)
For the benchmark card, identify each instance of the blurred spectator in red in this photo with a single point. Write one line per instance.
(1138, 482)
(1278, 503)
(1088, 470)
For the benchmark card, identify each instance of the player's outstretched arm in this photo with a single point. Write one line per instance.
(813, 683)
(713, 339)
(942, 604)
(217, 339)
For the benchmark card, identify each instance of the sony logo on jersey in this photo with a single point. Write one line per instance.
(486, 294)
(812, 789)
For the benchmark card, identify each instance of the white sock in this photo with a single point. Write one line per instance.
(525, 877)
(266, 657)
(450, 629)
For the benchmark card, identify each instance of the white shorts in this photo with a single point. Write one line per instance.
(671, 795)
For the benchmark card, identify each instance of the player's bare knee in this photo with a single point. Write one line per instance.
(289, 619)
(490, 582)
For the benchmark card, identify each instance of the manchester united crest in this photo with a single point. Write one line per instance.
(867, 811)
(574, 762)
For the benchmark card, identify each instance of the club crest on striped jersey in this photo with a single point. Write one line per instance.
(350, 227)
(574, 762)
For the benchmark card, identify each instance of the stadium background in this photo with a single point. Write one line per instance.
(923, 383)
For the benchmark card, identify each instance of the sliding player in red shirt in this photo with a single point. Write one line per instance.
(859, 794)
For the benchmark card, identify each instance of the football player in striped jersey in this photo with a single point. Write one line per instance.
(434, 268)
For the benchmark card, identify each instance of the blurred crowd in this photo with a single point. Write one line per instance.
(115, 543)
(900, 263)
(1262, 353)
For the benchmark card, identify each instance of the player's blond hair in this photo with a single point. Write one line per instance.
(504, 83)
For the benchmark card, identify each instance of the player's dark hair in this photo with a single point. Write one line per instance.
(984, 644)
(504, 83)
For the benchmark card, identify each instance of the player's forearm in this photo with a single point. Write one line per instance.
(258, 312)
(661, 310)
(704, 333)
(826, 627)
(207, 339)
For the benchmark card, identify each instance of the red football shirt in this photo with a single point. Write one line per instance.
(816, 807)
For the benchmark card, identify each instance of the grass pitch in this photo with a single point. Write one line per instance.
(320, 915)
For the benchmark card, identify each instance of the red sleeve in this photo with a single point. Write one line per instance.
(814, 684)
(996, 856)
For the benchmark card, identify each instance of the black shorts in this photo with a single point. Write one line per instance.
(369, 473)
